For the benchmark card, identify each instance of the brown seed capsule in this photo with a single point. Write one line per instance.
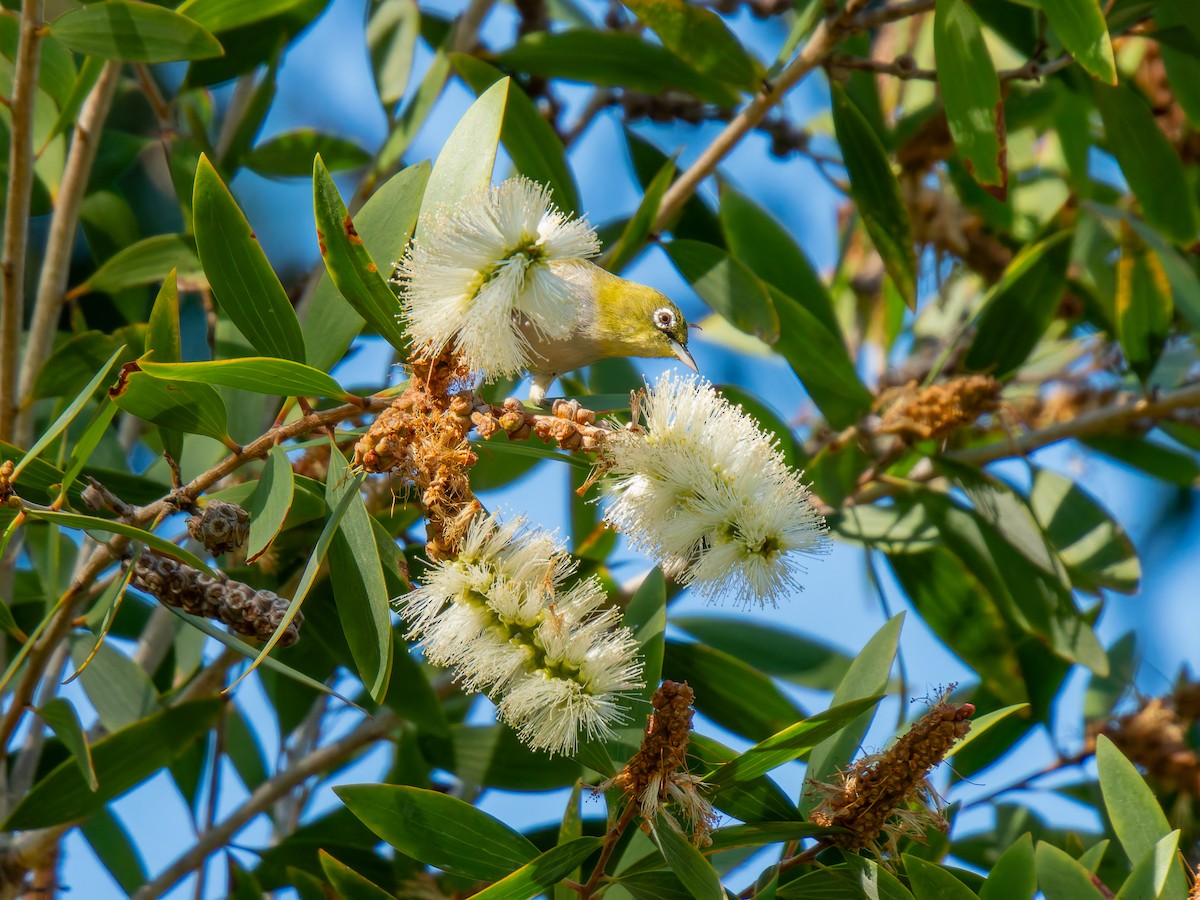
(254, 613)
(221, 527)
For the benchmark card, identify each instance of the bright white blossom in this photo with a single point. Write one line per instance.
(709, 495)
(485, 268)
(555, 660)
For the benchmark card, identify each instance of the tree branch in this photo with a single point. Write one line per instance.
(103, 556)
(56, 264)
(267, 793)
(16, 213)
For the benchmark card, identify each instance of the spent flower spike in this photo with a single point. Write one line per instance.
(703, 490)
(492, 271)
(555, 660)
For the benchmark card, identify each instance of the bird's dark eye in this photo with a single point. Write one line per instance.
(664, 319)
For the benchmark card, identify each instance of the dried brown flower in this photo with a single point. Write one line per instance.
(657, 775)
(255, 613)
(887, 795)
(1154, 736)
(937, 411)
(221, 527)
(6, 472)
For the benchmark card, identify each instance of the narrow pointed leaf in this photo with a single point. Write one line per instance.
(113, 526)
(465, 164)
(349, 264)
(269, 505)
(177, 405)
(688, 863)
(242, 279)
(146, 262)
(727, 286)
(1080, 25)
(535, 877)
(347, 883)
(1062, 878)
(439, 830)
(1148, 161)
(700, 38)
(641, 223)
(1014, 875)
(122, 761)
(135, 32)
(260, 374)
(1150, 876)
(876, 193)
(358, 585)
(60, 715)
(970, 91)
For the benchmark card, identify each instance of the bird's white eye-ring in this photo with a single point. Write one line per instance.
(664, 318)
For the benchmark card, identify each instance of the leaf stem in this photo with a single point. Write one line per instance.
(16, 213)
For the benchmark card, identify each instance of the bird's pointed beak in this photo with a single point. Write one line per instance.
(681, 352)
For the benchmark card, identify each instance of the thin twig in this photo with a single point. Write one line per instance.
(824, 38)
(606, 852)
(56, 263)
(877, 17)
(16, 214)
(266, 794)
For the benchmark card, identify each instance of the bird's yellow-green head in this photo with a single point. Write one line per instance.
(635, 320)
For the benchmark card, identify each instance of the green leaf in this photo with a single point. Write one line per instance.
(1150, 876)
(1080, 25)
(358, 585)
(135, 32)
(241, 277)
(118, 687)
(269, 505)
(570, 829)
(1092, 545)
(902, 527)
(115, 849)
(531, 141)
(1062, 878)
(223, 15)
(867, 677)
(762, 834)
(758, 800)
(259, 374)
(876, 193)
(1020, 307)
(729, 692)
(1134, 811)
(122, 761)
(767, 248)
(646, 617)
(60, 715)
(1148, 161)
(641, 223)
(66, 417)
(1144, 303)
(146, 262)
(191, 408)
(464, 166)
(699, 37)
(1014, 875)
(392, 29)
(728, 286)
(291, 154)
(688, 863)
(347, 883)
(774, 651)
(439, 830)
(929, 881)
(611, 59)
(385, 224)
(971, 92)
(794, 742)
(350, 266)
(535, 877)
(94, 523)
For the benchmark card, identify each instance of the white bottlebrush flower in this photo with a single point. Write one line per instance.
(710, 496)
(554, 660)
(487, 265)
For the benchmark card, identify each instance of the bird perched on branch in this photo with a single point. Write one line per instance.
(505, 279)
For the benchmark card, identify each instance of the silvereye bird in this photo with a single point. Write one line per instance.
(618, 318)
